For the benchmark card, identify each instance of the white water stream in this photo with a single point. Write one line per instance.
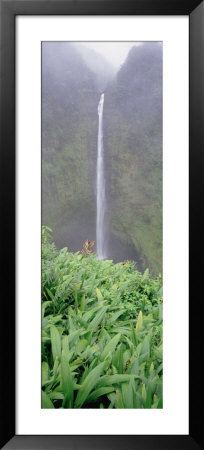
(100, 187)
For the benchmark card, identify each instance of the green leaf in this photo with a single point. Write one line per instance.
(118, 358)
(45, 372)
(44, 306)
(145, 349)
(98, 318)
(45, 401)
(55, 368)
(127, 393)
(55, 342)
(116, 315)
(54, 395)
(73, 337)
(145, 275)
(88, 384)
(119, 401)
(50, 294)
(108, 380)
(110, 347)
(139, 322)
(98, 293)
(83, 303)
(81, 346)
(159, 352)
(151, 369)
(67, 384)
(148, 402)
(134, 340)
(160, 404)
(65, 344)
(99, 392)
(144, 394)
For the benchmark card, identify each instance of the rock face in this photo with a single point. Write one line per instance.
(133, 151)
(133, 141)
(69, 142)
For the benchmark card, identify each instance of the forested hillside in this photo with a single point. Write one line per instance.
(132, 147)
(69, 142)
(133, 143)
(100, 66)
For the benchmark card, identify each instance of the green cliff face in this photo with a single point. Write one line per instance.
(133, 143)
(133, 152)
(69, 128)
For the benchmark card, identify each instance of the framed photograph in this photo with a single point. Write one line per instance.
(101, 158)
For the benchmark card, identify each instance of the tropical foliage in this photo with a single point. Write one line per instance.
(101, 331)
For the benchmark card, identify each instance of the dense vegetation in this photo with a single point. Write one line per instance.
(133, 150)
(133, 141)
(101, 332)
(69, 142)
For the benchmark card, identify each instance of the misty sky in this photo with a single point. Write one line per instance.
(115, 52)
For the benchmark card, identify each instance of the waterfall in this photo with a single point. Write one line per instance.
(100, 186)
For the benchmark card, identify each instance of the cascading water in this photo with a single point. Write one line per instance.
(100, 186)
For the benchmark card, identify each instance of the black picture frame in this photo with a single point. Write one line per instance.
(9, 10)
